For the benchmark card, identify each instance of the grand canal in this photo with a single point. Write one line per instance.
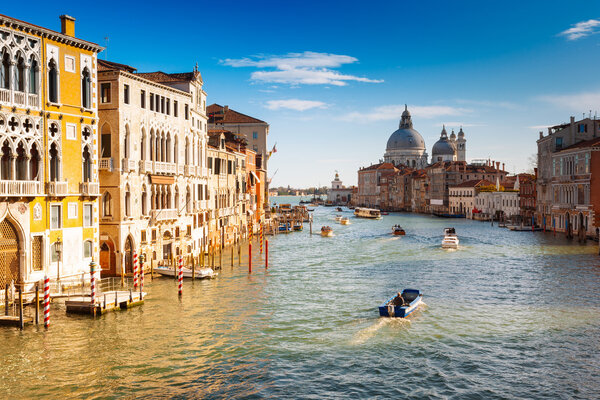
(510, 314)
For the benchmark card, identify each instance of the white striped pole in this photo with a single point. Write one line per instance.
(93, 282)
(141, 276)
(135, 271)
(180, 276)
(46, 302)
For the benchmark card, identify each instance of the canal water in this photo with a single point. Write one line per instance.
(509, 314)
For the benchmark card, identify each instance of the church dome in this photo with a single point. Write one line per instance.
(443, 147)
(405, 138)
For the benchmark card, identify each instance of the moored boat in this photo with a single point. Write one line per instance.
(398, 230)
(201, 273)
(298, 226)
(450, 240)
(401, 304)
(283, 227)
(326, 231)
(345, 221)
(372, 213)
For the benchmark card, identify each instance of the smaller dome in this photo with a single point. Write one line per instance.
(443, 147)
(461, 134)
(452, 135)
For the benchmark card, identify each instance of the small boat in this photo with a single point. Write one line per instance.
(298, 226)
(402, 304)
(351, 207)
(339, 209)
(338, 218)
(201, 273)
(367, 213)
(450, 240)
(310, 209)
(345, 221)
(326, 231)
(385, 213)
(283, 227)
(398, 231)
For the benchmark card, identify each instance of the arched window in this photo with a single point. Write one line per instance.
(22, 163)
(177, 198)
(168, 152)
(53, 82)
(169, 204)
(106, 205)
(127, 202)
(162, 147)
(87, 249)
(86, 89)
(34, 162)
(20, 75)
(54, 163)
(5, 71)
(33, 75)
(6, 162)
(187, 152)
(176, 151)
(188, 201)
(126, 143)
(143, 145)
(144, 201)
(87, 165)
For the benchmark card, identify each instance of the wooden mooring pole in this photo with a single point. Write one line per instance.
(6, 300)
(21, 322)
(267, 254)
(250, 257)
(37, 304)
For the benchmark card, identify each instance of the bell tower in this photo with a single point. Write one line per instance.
(461, 146)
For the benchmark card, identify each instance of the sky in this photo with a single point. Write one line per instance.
(332, 77)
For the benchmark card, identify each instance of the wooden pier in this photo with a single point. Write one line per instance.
(105, 302)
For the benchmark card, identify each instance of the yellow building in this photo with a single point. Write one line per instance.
(49, 152)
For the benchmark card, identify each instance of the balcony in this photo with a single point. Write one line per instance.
(57, 188)
(20, 188)
(89, 188)
(5, 95)
(190, 170)
(165, 214)
(19, 98)
(106, 164)
(164, 168)
(180, 169)
(129, 165)
(33, 100)
(145, 167)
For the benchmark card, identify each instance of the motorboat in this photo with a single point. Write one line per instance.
(401, 304)
(398, 230)
(362, 212)
(450, 240)
(326, 231)
(339, 209)
(345, 221)
(385, 213)
(283, 227)
(298, 226)
(201, 273)
(338, 218)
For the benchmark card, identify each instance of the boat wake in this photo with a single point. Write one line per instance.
(367, 333)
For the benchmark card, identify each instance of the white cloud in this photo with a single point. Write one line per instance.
(452, 124)
(393, 112)
(539, 127)
(308, 68)
(581, 102)
(581, 29)
(294, 104)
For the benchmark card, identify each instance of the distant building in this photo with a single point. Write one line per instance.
(462, 197)
(338, 193)
(406, 145)
(369, 183)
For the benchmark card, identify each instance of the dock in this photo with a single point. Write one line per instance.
(105, 302)
(14, 320)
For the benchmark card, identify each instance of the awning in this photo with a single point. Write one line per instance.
(162, 180)
(255, 177)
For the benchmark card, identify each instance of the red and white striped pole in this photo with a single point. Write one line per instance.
(180, 276)
(135, 271)
(93, 282)
(261, 238)
(250, 257)
(46, 302)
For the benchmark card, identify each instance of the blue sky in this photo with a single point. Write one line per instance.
(331, 78)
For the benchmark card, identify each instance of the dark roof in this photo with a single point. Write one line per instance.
(163, 77)
(218, 114)
(384, 165)
(584, 144)
(104, 65)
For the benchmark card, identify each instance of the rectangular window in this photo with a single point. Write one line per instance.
(71, 131)
(55, 216)
(72, 211)
(175, 110)
(558, 143)
(36, 253)
(153, 235)
(157, 103)
(254, 135)
(69, 64)
(210, 162)
(187, 111)
(168, 106)
(143, 238)
(151, 101)
(126, 94)
(88, 218)
(105, 145)
(143, 99)
(87, 249)
(162, 104)
(105, 93)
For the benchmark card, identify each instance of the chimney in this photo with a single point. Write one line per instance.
(503, 167)
(541, 134)
(497, 165)
(67, 25)
(226, 108)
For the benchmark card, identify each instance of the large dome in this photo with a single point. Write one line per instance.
(405, 138)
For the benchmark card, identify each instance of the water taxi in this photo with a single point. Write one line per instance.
(326, 231)
(372, 213)
(398, 230)
(401, 304)
(338, 209)
(450, 240)
(201, 273)
(345, 221)
(338, 218)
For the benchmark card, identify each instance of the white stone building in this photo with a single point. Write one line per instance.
(338, 193)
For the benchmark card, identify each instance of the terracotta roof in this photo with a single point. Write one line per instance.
(581, 145)
(104, 65)
(474, 183)
(163, 77)
(218, 114)
(386, 165)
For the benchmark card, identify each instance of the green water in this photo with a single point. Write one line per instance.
(509, 314)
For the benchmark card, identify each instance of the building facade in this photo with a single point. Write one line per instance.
(48, 139)
(338, 193)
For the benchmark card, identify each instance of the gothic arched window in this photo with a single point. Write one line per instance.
(20, 75)
(6, 161)
(53, 82)
(127, 202)
(87, 165)
(33, 76)
(86, 89)
(54, 163)
(5, 71)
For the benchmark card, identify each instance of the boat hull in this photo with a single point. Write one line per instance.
(388, 309)
(204, 273)
(327, 233)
